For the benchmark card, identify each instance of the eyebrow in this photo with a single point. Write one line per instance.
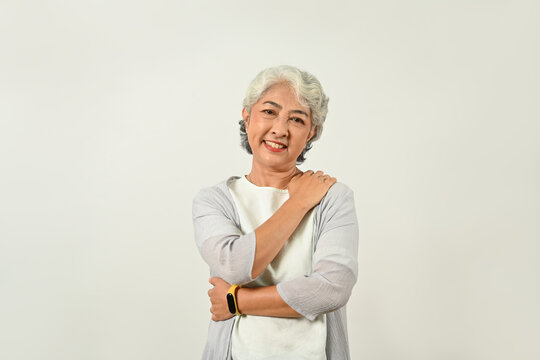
(281, 107)
(299, 112)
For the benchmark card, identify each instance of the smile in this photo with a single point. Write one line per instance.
(272, 146)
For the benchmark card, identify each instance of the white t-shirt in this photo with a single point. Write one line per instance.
(260, 337)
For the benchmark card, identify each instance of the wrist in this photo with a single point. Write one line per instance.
(242, 295)
(299, 204)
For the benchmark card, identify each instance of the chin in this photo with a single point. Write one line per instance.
(284, 164)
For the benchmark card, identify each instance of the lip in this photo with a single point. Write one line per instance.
(277, 142)
(274, 149)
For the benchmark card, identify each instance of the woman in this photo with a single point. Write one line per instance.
(288, 238)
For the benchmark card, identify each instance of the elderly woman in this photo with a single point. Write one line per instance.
(281, 244)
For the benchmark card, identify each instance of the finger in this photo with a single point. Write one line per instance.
(319, 173)
(210, 292)
(212, 281)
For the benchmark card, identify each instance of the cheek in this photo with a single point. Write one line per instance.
(302, 138)
(256, 130)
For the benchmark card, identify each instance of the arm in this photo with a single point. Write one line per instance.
(327, 288)
(227, 251)
(274, 233)
(335, 259)
(239, 258)
(236, 257)
(261, 301)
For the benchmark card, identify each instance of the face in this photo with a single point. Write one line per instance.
(278, 128)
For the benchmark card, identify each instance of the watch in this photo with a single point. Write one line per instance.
(231, 300)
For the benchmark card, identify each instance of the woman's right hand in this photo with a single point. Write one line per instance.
(309, 188)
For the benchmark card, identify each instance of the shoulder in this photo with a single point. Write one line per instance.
(336, 211)
(218, 193)
(338, 199)
(338, 191)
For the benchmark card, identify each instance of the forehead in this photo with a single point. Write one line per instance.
(284, 95)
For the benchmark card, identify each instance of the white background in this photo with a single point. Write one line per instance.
(115, 113)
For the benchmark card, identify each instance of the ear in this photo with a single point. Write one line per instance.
(312, 134)
(245, 116)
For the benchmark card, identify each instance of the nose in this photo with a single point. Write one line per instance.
(280, 127)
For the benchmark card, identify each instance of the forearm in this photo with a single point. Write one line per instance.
(274, 232)
(264, 301)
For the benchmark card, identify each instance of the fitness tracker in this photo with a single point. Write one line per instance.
(231, 300)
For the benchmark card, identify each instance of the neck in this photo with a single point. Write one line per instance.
(276, 178)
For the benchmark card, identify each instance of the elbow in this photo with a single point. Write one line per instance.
(229, 259)
(229, 272)
(338, 284)
(338, 297)
(226, 268)
(342, 296)
(316, 294)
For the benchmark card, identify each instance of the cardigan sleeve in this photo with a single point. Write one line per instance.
(224, 247)
(335, 269)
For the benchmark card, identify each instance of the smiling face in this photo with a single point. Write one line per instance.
(278, 128)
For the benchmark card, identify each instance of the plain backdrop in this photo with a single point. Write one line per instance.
(115, 113)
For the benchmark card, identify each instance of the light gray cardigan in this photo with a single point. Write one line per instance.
(230, 253)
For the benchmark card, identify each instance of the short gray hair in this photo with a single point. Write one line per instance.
(308, 90)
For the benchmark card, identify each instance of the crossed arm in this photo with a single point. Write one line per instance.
(269, 240)
(236, 258)
(261, 301)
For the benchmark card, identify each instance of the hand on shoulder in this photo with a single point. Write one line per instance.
(308, 188)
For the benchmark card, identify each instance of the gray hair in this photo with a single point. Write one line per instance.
(308, 91)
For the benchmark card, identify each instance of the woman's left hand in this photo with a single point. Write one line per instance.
(218, 298)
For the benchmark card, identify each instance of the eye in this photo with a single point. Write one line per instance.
(298, 120)
(268, 112)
